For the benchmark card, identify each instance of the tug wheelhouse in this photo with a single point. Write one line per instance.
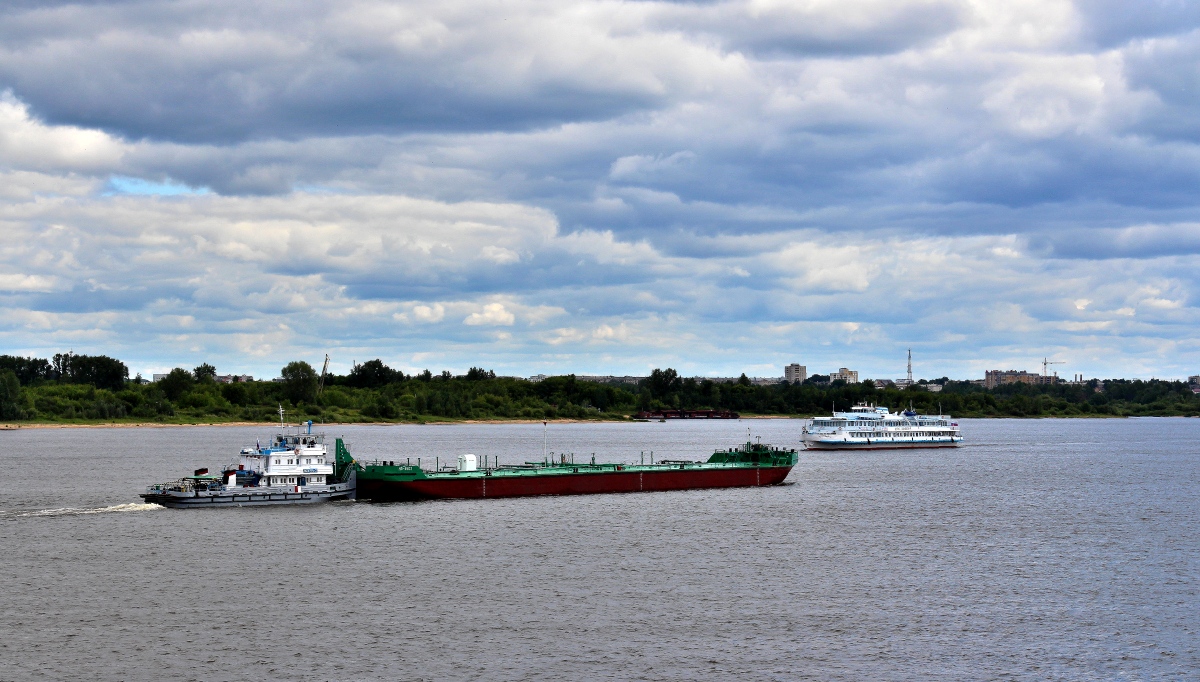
(290, 459)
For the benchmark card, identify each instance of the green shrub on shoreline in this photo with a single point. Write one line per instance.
(34, 390)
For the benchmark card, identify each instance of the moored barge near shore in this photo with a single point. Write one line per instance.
(687, 414)
(752, 464)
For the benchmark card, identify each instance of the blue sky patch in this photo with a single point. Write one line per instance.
(120, 184)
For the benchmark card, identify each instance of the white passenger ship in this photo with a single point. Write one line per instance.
(294, 469)
(866, 427)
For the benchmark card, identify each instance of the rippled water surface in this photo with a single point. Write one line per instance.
(1049, 549)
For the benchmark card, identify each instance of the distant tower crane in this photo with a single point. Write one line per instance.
(324, 371)
(1046, 362)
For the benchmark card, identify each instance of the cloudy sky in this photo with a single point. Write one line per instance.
(604, 187)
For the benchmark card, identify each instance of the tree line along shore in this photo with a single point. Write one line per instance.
(72, 388)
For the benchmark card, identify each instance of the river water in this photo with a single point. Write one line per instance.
(1043, 549)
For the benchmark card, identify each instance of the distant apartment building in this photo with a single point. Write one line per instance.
(795, 373)
(995, 377)
(754, 381)
(609, 379)
(232, 378)
(220, 378)
(846, 375)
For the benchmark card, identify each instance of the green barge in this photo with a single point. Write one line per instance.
(752, 464)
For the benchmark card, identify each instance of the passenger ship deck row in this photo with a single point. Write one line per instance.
(866, 427)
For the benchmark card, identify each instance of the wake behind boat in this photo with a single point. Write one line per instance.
(866, 427)
(294, 469)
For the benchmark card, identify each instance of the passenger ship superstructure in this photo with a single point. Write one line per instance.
(866, 427)
(295, 468)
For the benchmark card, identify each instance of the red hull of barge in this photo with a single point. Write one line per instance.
(569, 484)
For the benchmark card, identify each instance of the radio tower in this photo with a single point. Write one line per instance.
(910, 367)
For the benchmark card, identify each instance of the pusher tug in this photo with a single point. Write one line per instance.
(294, 469)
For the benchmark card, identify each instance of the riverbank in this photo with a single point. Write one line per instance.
(482, 398)
(15, 426)
(146, 425)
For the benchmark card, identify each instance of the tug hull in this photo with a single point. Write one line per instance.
(250, 497)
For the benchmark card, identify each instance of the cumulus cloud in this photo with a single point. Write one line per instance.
(492, 314)
(174, 274)
(21, 282)
(1114, 22)
(603, 186)
(816, 27)
(370, 246)
(28, 144)
(427, 313)
(223, 73)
